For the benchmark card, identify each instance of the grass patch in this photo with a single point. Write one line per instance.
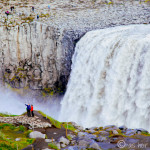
(145, 133)
(69, 137)
(30, 18)
(9, 133)
(58, 124)
(68, 126)
(54, 122)
(53, 146)
(21, 128)
(7, 115)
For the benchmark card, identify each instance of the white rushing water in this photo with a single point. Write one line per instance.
(110, 79)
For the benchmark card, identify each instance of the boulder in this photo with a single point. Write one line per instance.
(104, 133)
(142, 130)
(49, 140)
(81, 134)
(71, 135)
(73, 142)
(130, 132)
(36, 134)
(80, 128)
(83, 143)
(94, 145)
(64, 141)
(63, 145)
(101, 139)
(58, 145)
(110, 128)
(92, 131)
(115, 132)
(17, 139)
(91, 136)
(94, 128)
(87, 136)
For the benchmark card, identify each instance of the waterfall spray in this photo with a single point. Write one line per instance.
(110, 79)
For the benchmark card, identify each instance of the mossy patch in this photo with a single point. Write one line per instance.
(53, 146)
(8, 135)
(54, 122)
(30, 19)
(68, 126)
(58, 124)
(6, 115)
(145, 133)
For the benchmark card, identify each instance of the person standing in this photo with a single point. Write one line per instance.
(38, 17)
(12, 8)
(7, 13)
(28, 110)
(32, 113)
(49, 7)
(32, 8)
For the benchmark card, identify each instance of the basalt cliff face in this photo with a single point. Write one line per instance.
(37, 54)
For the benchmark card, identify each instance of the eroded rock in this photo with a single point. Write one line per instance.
(36, 134)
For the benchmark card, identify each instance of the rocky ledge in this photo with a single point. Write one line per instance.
(49, 135)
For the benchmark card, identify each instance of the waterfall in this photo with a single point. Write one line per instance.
(110, 79)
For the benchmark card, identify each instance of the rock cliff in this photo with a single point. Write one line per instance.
(38, 54)
(32, 55)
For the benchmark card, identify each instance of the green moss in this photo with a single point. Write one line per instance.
(48, 90)
(21, 128)
(46, 137)
(68, 126)
(100, 128)
(20, 69)
(53, 146)
(69, 137)
(54, 122)
(110, 3)
(43, 94)
(147, 1)
(9, 133)
(30, 18)
(58, 124)
(52, 91)
(145, 133)
(6, 115)
(13, 78)
(44, 15)
(24, 76)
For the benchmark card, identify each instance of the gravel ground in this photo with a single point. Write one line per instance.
(77, 15)
(102, 16)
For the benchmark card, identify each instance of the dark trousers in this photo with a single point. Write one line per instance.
(28, 113)
(32, 114)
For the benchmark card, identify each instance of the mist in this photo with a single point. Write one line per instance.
(12, 103)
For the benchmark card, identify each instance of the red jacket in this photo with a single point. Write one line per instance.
(31, 108)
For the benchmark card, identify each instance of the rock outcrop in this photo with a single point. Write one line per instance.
(31, 122)
(31, 55)
(38, 54)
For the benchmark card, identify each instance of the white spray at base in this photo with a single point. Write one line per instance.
(110, 79)
(12, 103)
